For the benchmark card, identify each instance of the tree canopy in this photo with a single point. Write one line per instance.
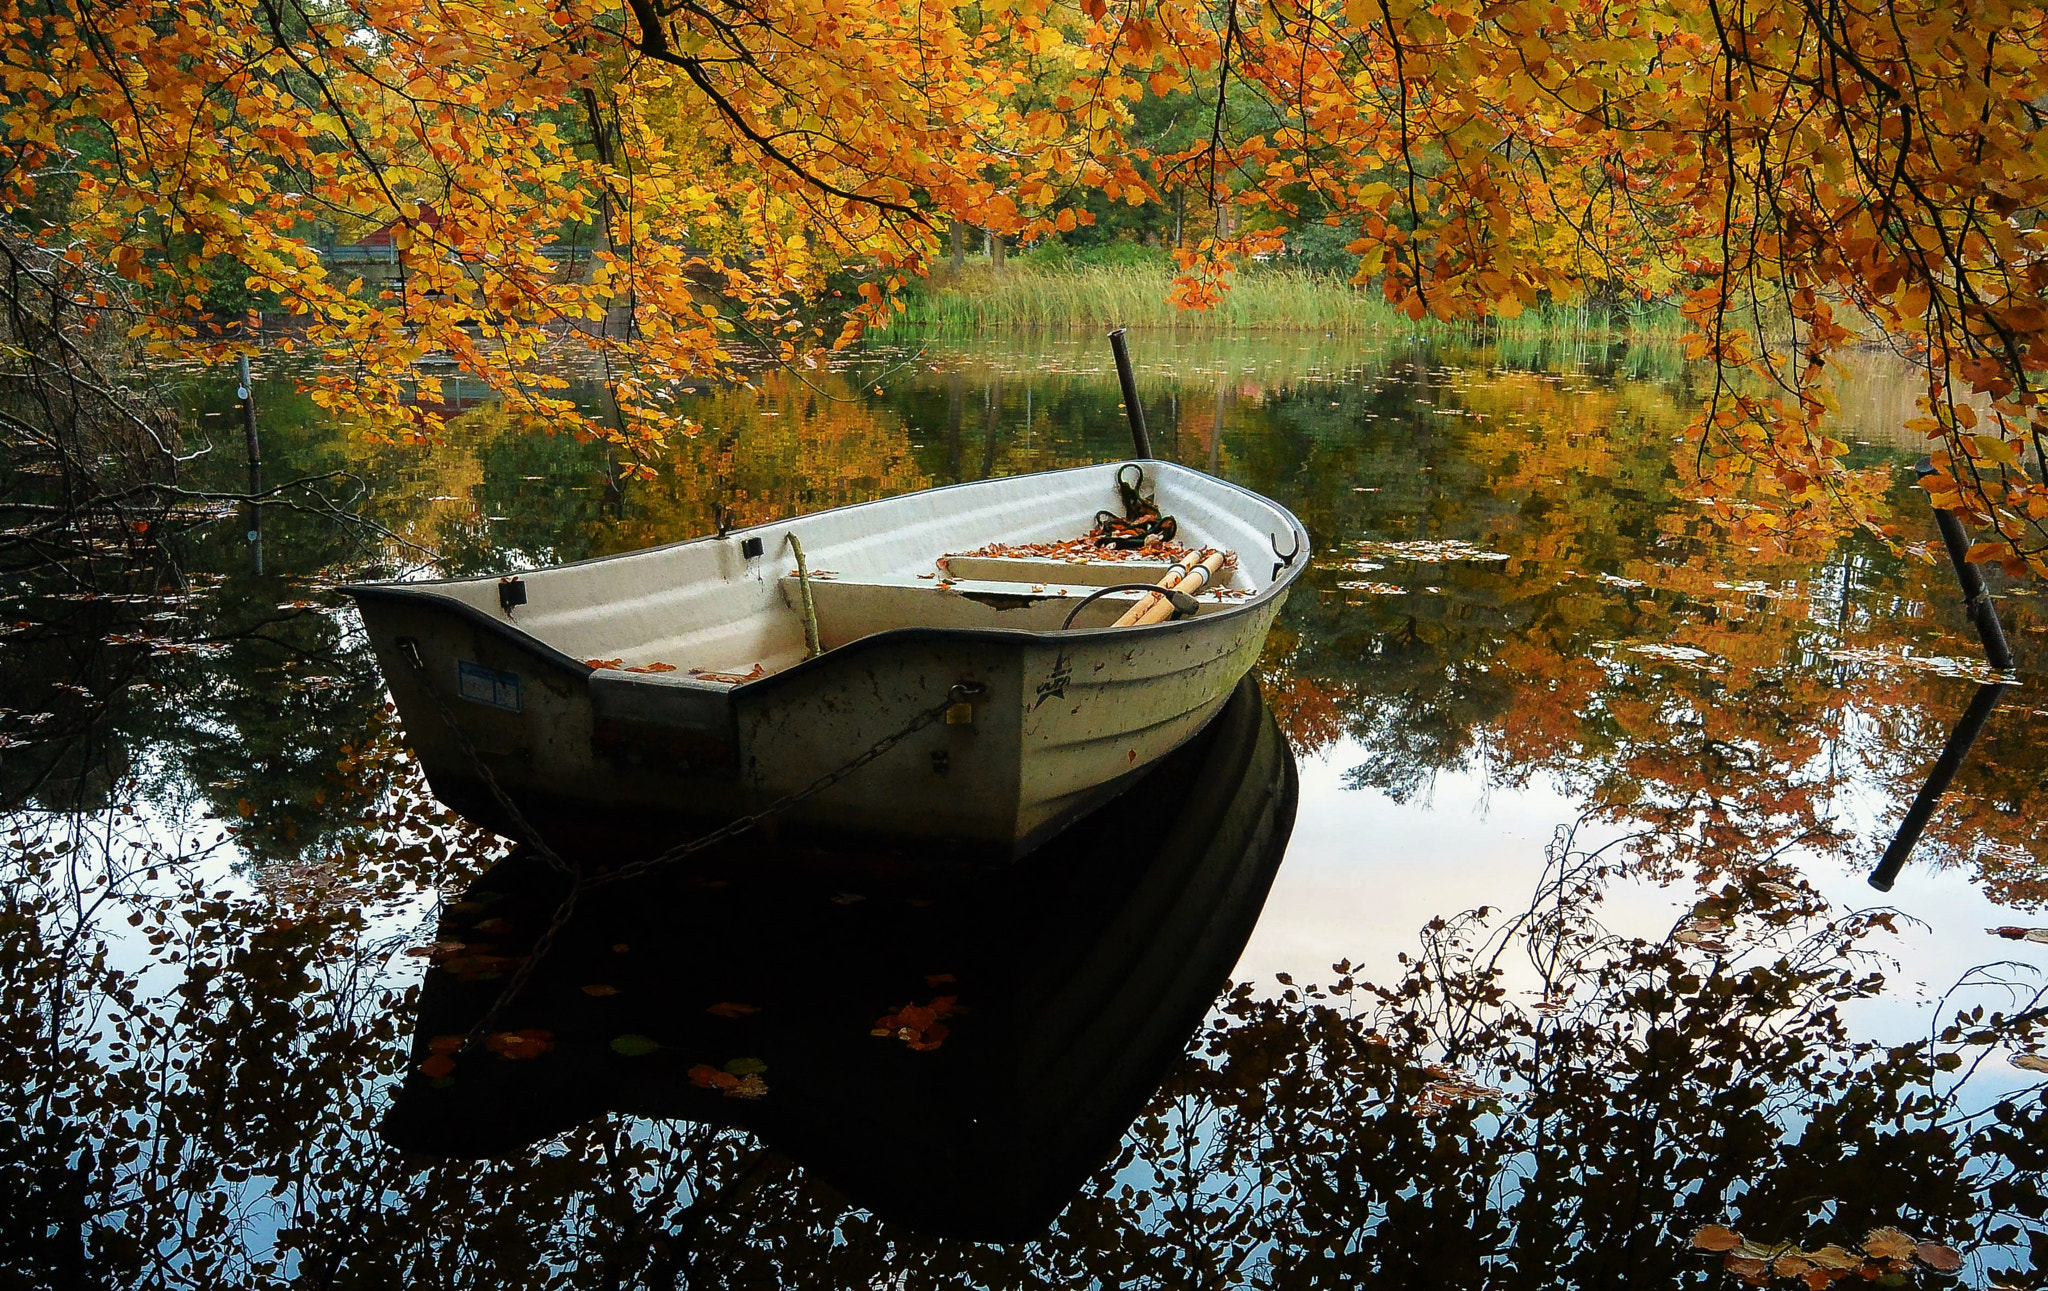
(662, 182)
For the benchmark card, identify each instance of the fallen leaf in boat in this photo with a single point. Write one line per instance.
(1713, 1237)
(604, 663)
(729, 678)
(1888, 1244)
(634, 1046)
(654, 667)
(600, 990)
(2020, 934)
(728, 1009)
(1942, 1259)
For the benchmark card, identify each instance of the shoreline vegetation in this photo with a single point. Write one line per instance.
(1025, 296)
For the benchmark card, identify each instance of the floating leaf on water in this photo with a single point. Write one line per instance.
(1376, 589)
(747, 1084)
(600, 990)
(1939, 665)
(1431, 551)
(1714, 1237)
(1942, 1259)
(1834, 1257)
(746, 1066)
(527, 1043)
(1683, 656)
(1888, 1244)
(1747, 1267)
(2020, 934)
(2029, 1062)
(728, 1009)
(634, 1046)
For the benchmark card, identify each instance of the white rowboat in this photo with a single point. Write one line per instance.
(675, 682)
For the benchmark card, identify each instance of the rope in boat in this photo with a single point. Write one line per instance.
(580, 880)
(810, 610)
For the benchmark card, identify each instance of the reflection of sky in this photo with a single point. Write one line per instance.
(1365, 873)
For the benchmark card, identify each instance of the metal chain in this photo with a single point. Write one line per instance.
(582, 882)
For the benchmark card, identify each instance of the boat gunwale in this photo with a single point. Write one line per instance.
(417, 592)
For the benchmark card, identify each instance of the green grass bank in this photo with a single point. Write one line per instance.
(1024, 296)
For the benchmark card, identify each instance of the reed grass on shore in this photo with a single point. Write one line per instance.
(1264, 299)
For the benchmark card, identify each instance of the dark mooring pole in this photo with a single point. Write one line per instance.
(247, 394)
(1945, 767)
(1983, 614)
(1132, 408)
(1976, 601)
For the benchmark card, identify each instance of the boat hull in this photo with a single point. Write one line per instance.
(1060, 719)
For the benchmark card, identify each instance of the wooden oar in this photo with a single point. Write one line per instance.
(1197, 579)
(1174, 573)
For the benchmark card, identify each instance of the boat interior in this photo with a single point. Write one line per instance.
(991, 554)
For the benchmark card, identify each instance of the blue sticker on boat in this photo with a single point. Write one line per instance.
(481, 685)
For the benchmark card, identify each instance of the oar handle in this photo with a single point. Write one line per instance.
(1181, 601)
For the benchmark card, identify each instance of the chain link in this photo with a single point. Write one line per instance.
(580, 881)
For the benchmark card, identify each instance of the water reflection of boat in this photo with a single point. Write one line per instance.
(735, 681)
(956, 1049)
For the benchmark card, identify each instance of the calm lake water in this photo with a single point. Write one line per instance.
(1570, 953)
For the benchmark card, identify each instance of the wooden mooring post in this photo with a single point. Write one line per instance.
(246, 392)
(1977, 603)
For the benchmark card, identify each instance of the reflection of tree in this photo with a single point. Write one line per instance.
(1534, 1103)
(1622, 649)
